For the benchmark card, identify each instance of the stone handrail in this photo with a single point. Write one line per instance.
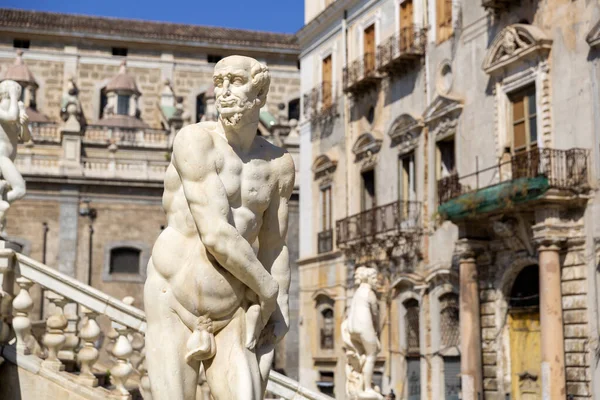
(63, 342)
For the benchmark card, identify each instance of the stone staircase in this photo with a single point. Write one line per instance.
(66, 360)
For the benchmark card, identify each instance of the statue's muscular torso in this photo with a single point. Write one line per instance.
(179, 255)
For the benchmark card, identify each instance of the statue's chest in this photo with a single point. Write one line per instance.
(247, 184)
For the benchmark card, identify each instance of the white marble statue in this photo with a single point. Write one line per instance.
(360, 333)
(13, 126)
(216, 296)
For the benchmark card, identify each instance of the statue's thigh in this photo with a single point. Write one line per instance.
(233, 373)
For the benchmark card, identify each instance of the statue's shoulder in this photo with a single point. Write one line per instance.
(196, 135)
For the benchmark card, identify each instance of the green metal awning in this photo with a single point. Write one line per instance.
(494, 198)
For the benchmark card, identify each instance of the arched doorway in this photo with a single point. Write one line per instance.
(524, 329)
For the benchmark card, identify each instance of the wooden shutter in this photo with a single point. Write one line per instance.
(327, 81)
(369, 48)
(406, 25)
(451, 377)
(443, 12)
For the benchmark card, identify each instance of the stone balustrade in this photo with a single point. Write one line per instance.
(65, 341)
(147, 138)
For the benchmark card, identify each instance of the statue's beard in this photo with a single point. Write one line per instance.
(234, 118)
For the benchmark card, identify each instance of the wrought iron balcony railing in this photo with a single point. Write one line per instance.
(399, 51)
(361, 74)
(320, 100)
(325, 241)
(392, 217)
(563, 169)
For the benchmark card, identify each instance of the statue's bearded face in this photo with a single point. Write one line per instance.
(235, 93)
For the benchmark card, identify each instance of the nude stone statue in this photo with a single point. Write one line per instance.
(216, 296)
(360, 333)
(13, 126)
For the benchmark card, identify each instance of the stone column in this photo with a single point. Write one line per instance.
(551, 322)
(471, 368)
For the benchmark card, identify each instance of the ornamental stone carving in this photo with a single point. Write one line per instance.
(516, 42)
(441, 116)
(405, 132)
(216, 302)
(360, 333)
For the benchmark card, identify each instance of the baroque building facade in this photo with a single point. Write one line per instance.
(105, 98)
(453, 144)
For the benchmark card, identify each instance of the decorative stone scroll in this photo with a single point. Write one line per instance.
(405, 132)
(366, 148)
(516, 43)
(441, 116)
(323, 166)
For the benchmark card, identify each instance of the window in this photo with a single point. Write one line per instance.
(103, 103)
(119, 51)
(21, 43)
(443, 11)
(327, 329)
(524, 120)
(326, 383)
(407, 30)
(123, 104)
(200, 107)
(125, 260)
(326, 208)
(449, 323)
(369, 48)
(413, 358)
(213, 59)
(368, 200)
(294, 109)
(445, 157)
(451, 378)
(408, 184)
(326, 78)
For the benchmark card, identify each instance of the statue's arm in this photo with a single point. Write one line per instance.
(12, 114)
(374, 306)
(193, 157)
(273, 250)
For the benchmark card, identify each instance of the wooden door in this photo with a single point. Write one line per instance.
(525, 355)
(369, 48)
(327, 82)
(407, 29)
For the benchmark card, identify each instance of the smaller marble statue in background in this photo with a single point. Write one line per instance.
(360, 333)
(13, 127)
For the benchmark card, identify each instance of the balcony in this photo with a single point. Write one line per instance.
(361, 75)
(320, 102)
(379, 222)
(401, 51)
(325, 241)
(525, 177)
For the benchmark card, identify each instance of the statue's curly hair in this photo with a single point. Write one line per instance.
(363, 274)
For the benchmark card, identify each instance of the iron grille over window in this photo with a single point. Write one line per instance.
(412, 326)
(125, 260)
(449, 320)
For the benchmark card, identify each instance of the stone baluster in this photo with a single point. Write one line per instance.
(54, 338)
(144, 379)
(22, 305)
(122, 351)
(137, 343)
(88, 354)
(67, 352)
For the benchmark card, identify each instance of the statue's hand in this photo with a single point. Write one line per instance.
(268, 302)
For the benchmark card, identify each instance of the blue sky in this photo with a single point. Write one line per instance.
(268, 15)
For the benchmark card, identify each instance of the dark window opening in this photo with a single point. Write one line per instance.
(525, 292)
(412, 327)
(21, 43)
(119, 51)
(371, 115)
(200, 107)
(103, 103)
(326, 383)
(122, 104)
(447, 160)
(213, 59)
(125, 260)
(328, 329)
(368, 190)
(294, 109)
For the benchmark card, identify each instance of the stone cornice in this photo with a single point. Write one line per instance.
(470, 248)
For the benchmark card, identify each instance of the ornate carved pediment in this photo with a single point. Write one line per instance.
(516, 43)
(441, 116)
(366, 146)
(405, 131)
(323, 166)
(593, 38)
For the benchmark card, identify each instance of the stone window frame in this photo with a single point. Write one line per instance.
(373, 18)
(401, 299)
(140, 277)
(437, 362)
(324, 301)
(527, 64)
(202, 89)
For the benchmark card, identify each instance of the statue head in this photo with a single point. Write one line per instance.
(241, 87)
(366, 275)
(9, 89)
